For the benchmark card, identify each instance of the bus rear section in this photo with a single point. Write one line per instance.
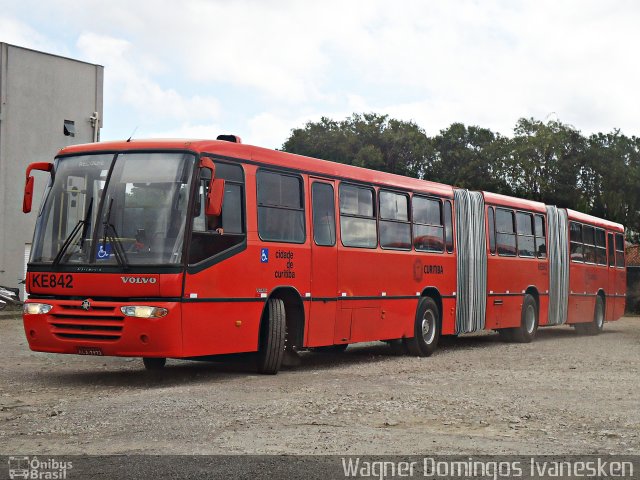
(597, 272)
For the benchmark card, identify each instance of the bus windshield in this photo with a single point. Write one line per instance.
(108, 209)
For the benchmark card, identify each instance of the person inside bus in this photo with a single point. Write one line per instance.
(214, 222)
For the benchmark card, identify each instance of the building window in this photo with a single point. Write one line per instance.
(505, 233)
(357, 217)
(428, 229)
(280, 207)
(395, 229)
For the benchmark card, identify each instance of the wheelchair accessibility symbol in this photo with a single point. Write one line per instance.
(104, 251)
(264, 255)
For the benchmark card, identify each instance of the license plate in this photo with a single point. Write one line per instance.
(89, 351)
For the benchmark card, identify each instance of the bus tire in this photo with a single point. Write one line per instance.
(426, 332)
(154, 363)
(594, 327)
(528, 321)
(272, 338)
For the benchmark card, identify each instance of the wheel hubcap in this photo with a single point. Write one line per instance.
(428, 327)
(530, 319)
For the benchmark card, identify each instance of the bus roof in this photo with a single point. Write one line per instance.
(268, 157)
(591, 220)
(322, 168)
(513, 202)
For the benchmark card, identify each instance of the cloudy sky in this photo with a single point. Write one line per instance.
(197, 68)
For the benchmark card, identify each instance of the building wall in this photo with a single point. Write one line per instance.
(38, 92)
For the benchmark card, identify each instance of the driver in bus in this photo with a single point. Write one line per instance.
(214, 222)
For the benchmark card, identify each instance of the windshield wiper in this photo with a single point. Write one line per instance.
(69, 240)
(113, 238)
(85, 224)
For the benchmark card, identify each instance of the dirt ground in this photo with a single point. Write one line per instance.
(561, 394)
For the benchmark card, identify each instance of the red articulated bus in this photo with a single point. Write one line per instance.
(187, 249)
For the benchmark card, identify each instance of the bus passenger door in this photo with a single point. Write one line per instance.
(324, 264)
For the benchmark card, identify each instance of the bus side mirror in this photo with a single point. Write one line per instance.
(28, 187)
(215, 197)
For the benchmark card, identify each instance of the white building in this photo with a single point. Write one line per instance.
(46, 102)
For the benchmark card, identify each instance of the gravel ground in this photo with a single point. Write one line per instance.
(561, 394)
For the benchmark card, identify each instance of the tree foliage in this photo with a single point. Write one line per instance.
(547, 161)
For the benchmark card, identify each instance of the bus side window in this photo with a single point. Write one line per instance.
(589, 239)
(448, 226)
(206, 242)
(526, 238)
(357, 217)
(428, 231)
(505, 233)
(601, 249)
(576, 248)
(395, 229)
(324, 214)
(612, 250)
(492, 231)
(280, 207)
(619, 250)
(541, 237)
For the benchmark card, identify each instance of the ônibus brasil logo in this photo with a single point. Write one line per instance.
(35, 468)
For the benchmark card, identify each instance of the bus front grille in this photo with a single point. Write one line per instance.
(104, 323)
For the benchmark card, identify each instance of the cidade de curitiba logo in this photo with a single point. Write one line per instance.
(139, 280)
(38, 468)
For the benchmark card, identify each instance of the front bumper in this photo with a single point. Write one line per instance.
(103, 329)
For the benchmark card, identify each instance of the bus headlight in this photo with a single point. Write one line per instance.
(142, 311)
(36, 308)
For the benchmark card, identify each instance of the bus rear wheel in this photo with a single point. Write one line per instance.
(528, 321)
(595, 326)
(426, 332)
(154, 363)
(272, 337)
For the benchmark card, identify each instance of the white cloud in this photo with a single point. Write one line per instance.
(129, 85)
(18, 33)
(273, 63)
(187, 130)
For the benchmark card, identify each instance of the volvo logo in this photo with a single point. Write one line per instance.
(138, 279)
(86, 305)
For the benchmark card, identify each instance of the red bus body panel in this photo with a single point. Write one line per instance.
(347, 295)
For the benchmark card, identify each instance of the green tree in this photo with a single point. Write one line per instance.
(611, 177)
(545, 162)
(366, 140)
(469, 157)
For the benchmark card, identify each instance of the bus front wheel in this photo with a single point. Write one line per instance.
(426, 329)
(272, 337)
